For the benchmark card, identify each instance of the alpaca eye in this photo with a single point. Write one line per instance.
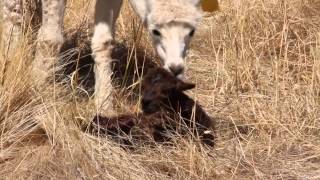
(191, 33)
(156, 32)
(156, 79)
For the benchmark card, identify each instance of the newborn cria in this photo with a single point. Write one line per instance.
(165, 107)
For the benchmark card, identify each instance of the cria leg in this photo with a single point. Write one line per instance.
(49, 40)
(106, 12)
(12, 24)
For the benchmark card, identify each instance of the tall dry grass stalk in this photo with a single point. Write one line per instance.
(257, 68)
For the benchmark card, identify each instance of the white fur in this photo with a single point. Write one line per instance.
(102, 34)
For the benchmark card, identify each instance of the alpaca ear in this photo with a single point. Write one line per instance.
(183, 86)
(195, 2)
(142, 8)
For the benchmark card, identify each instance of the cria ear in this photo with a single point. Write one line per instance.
(183, 86)
(142, 7)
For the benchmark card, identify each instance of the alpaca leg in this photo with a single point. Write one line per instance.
(106, 13)
(12, 24)
(49, 40)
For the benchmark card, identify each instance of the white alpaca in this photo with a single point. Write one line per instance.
(171, 24)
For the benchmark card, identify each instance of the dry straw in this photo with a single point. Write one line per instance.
(256, 64)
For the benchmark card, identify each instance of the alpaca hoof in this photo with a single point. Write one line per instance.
(208, 139)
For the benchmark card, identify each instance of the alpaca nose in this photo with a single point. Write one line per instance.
(176, 69)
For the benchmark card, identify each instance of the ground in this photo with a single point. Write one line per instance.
(256, 65)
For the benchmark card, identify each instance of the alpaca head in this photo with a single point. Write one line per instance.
(159, 85)
(171, 24)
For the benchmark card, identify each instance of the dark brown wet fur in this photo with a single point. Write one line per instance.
(165, 108)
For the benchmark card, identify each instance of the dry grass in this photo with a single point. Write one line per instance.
(257, 68)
